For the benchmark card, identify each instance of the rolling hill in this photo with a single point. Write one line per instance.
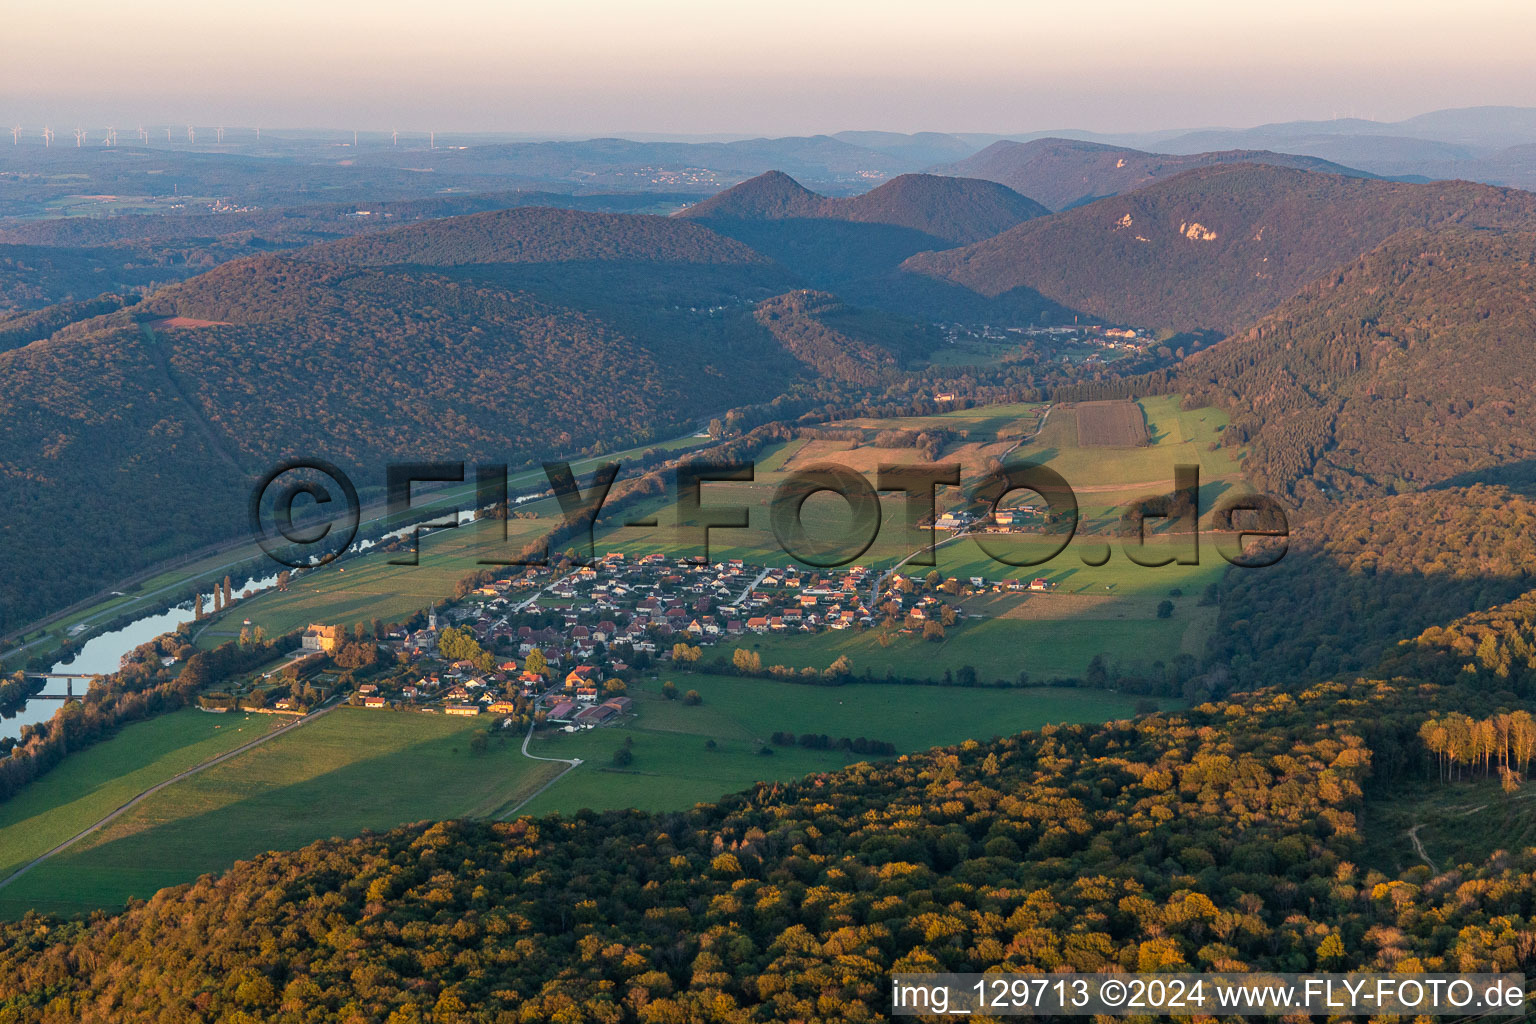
(1411, 367)
(510, 336)
(1063, 173)
(1213, 248)
(831, 242)
(71, 259)
(953, 210)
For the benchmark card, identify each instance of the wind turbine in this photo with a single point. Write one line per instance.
(394, 137)
(220, 133)
(79, 137)
(431, 140)
(167, 133)
(47, 138)
(354, 138)
(258, 134)
(143, 135)
(109, 139)
(16, 136)
(191, 134)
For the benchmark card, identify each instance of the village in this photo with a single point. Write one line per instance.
(557, 646)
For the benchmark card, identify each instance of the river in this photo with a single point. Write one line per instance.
(104, 653)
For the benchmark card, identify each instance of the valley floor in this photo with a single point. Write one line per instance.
(355, 770)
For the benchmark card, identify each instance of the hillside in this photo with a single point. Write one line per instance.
(507, 336)
(1213, 248)
(830, 242)
(1408, 368)
(839, 342)
(1063, 173)
(1360, 579)
(1226, 838)
(772, 195)
(69, 259)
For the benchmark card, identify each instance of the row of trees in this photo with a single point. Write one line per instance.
(143, 688)
(1501, 744)
(821, 741)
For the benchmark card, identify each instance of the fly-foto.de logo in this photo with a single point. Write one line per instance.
(308, 512)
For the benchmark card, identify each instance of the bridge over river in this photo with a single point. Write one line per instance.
(69, 684)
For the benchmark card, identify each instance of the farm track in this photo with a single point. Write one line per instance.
(571, 764)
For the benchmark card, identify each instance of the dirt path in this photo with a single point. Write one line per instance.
(152, 790)
(1418, 848)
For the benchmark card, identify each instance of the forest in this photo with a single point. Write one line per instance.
(1371, 575)
(1213, 248)
(1406, 369)
(1225, 837)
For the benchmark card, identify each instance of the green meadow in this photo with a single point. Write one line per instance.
(674, 766)
(345, 772)
(92, 783)
(355, 770)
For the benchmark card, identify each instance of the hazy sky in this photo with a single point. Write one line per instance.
(784, 67)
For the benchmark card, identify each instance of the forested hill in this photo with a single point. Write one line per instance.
(1213, 248)
(1063, 173)
(1225, 838)
(832, 242)
(952, 209)
(539, 235)
(839, 342)
(508, 336)
(70, 259)
(1410, 367)
(1363, 578)
(772, 195)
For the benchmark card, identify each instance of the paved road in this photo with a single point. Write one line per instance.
(874, 590)
(570, 765)
(746, 591)
(152, 790)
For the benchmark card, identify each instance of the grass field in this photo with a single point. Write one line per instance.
(1458, 823)
(674, 768)
(1042, 634)
(354, 770)
(92, 783)
(346, 772)
(1109, 610)
(366, 587)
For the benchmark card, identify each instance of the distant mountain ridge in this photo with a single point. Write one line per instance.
(832, 244)
(1494, 145)
(951, 209)
(1213, 248)
(1063, 173)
